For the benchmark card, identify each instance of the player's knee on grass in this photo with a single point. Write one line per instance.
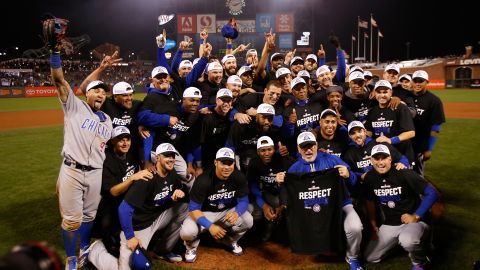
(69, 225)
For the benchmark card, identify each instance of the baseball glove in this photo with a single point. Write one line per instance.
(54, 30)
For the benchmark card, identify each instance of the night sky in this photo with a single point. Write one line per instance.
(132, 24)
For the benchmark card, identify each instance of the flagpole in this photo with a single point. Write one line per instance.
(358, 37)
(365, 46)
(371, 36)
(378, 46)
(351, 61)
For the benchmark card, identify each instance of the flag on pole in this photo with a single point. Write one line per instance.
(353, 38)
(365, 35)
(363, 24)
(380, 34)
(373, 22)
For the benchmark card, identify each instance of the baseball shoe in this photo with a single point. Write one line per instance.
(354, 264)
(171, 257)
(236, 249)
(191, 255)
(83, 258)
(71, 263)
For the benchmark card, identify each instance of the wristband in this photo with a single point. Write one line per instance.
(395, 140)
(204, 222)
(55, 60)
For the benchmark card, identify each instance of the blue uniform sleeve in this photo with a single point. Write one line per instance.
(177, 58)
(255, 189)
(196, 72)
(148, 145)
(193, 205)
(404, 161)
(125, 214)
(430, 196)
(162, 60)
(242, 205)
(341, 66)
(321, 62)
(288, 130)
(231, 115)
(278, 120)
(150, 119)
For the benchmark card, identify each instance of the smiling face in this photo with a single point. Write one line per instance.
(95, 98)
(230, 67)
(381, 163)
(224, 168)
(215, 76)
(383, 96)
(358, 135)
(190, 105)
(357, 87)
(391, 76)
(272, 94)
(122, 145)
(328, 125)
(300, 91)
(266, 153)
(264, 122)
(325, 79)
(419, 85)
(124, 100)
(183, 71)
(161, 82)
(334, 99)
(165, 162)
(224, 105)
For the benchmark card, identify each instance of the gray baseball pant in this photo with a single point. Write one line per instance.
(191, 230)
(410, 236)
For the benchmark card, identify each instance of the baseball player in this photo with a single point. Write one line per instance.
(391, 74)
(428, 121)
(120, 171)
(331, 137)
(312, 160)
(405, 198)
(150, 206)
(391, 126)
(218, 203)
(86, 132)
(261, 177)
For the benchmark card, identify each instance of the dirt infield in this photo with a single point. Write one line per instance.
(38, 118)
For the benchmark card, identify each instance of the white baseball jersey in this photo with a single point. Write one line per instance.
(84, 135)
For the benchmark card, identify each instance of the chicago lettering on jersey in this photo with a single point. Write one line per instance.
(96, 127)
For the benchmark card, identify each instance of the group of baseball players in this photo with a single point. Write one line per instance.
(212, 144)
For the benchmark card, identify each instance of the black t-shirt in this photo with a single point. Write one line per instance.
(405, 95)
(429, 112)
(358, 157)
(335, 146)
(389, 122)
(244, 136)
(253, 100)
(217, 195)
(397, 191)
(121, 116)
(213, 135)
(359, 107)
(314, 213)
(263, 174)
(209, 91)
(150, 198)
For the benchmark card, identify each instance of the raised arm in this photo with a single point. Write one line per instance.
(107, 62)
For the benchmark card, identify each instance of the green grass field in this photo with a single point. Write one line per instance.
(31, 158)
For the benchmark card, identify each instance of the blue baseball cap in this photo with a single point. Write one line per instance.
(140, 260)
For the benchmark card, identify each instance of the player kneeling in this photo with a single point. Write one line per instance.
(398, 192)
(218, 203)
